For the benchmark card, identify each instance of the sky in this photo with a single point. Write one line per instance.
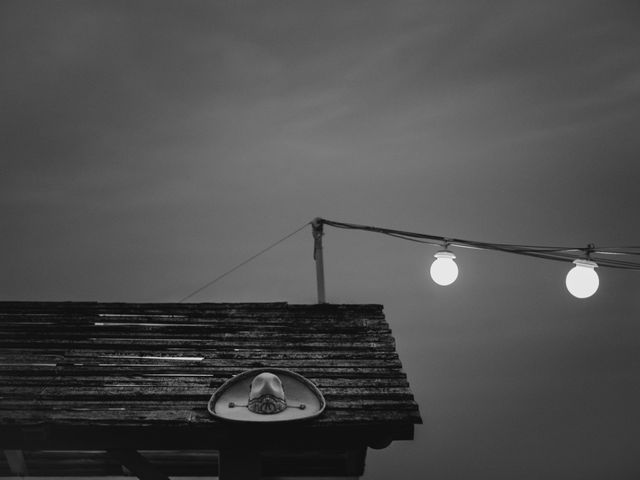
(149, 146)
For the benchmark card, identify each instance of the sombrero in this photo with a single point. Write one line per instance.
(266, 395)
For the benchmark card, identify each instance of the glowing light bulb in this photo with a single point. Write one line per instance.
(444, 270)
(582, 280)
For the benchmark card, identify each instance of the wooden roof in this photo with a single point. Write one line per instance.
(102, 376)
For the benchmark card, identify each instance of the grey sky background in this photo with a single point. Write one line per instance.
(149, 146)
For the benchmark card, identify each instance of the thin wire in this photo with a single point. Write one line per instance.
(564, 254)
(241, 264)
(441, 240)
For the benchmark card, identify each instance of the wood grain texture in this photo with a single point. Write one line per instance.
(101, 375)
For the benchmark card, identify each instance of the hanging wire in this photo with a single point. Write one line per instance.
(564, 254)
(601, 255)
(241, 264)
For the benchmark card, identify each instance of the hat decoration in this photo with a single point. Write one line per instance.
(267, 395)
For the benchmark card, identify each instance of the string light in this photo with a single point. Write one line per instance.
(444, 270)
(582, 280)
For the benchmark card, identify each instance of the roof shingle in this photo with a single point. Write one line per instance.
(91, 374)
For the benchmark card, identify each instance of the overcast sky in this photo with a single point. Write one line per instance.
(147, 147)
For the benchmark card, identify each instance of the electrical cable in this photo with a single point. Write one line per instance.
(241, 264)
(564, 254)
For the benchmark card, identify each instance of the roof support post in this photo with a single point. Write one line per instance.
(317, 255)
(137, 464)
(355, 460)
(17, 465)
(239, 464)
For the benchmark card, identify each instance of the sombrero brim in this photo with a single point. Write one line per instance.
(297, 389)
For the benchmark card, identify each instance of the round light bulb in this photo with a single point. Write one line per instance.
(582, 280)
(444, 270)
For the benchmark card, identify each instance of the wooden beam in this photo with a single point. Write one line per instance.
(355, 461)
(317, 256)
(17, 465)
(314, 478)
(137, 464)
(239, 464)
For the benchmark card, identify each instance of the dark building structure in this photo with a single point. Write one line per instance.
(122, 389)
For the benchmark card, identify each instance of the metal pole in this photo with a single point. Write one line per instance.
(317, 255)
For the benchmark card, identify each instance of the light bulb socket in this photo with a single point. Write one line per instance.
(445, 254)
(581, 262)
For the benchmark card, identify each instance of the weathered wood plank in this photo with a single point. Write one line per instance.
(365, 404)
(196, 462)
(148, 343)
(213, 373)
(256, 338)
(67, 367)
(72, 463)
(210, 309)
(145, 417)
(211, 322)
(13, 323)
(137, 464)
(28, 356)
(186, 382)
(110, 393)
(219, 363)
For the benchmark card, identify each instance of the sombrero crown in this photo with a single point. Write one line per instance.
(267, 395)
